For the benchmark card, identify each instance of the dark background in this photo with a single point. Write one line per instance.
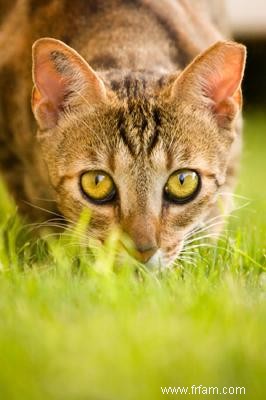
(254, 86)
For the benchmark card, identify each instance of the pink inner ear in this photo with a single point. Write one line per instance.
(213, 80)
(224, 89)
(223, 82)
(225, 93)
(50, 84)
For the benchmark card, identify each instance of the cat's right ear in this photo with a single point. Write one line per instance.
(62, 81)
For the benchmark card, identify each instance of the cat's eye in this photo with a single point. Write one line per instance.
(98, 186)
(182, 186)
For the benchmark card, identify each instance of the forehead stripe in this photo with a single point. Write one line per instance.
(123, 134)
(155, 137)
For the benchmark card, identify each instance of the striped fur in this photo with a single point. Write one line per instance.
(139, 133)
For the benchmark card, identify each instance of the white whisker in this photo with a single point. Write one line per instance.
(209, 236)
(48, 211)
(237, 196)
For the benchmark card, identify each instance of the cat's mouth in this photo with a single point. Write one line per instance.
(160, 259)
(156, 261)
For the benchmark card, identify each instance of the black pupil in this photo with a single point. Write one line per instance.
(182, 178)
(98, 179)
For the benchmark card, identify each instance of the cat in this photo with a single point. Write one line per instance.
(136, 115)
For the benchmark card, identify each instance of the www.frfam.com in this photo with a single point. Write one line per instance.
(211, 390)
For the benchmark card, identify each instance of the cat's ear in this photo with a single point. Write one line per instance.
(214, 79)
(62, 80)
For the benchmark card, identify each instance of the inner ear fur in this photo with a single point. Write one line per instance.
(213, 80)
(62, 80)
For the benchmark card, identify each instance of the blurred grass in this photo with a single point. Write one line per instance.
(75, 328)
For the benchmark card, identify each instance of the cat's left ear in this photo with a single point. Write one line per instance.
(213, 80)
(62, 81)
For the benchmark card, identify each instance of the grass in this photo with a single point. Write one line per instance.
(74, 328)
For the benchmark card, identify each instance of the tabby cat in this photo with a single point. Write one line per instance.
(136, 115)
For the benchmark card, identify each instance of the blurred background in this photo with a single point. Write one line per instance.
(248, 23)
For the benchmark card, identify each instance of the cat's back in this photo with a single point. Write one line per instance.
(151, 35)
(185, 27)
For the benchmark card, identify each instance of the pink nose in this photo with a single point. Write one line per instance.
(144, 252)
(142, 230)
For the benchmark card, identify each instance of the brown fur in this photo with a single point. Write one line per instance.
(139, 118)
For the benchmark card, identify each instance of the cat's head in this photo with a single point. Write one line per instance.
(144, 152)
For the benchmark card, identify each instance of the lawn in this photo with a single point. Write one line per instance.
(74, 328)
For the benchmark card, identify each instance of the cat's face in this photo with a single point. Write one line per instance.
(151, 162)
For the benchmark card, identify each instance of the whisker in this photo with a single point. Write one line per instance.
(48, 211)
(46, 222)
(43, 199)
(220, 216)
(237, 196)
(47, 225)
(176, 263)
(206, 245)
(184, 257)
(205, 228)
(207, 225)
(74, 234)
(191, 253)
(212, 235)
(197, 246)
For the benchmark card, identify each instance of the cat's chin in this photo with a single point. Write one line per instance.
(158, 261)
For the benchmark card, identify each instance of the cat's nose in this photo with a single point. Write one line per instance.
(144, 252)
(141, 229)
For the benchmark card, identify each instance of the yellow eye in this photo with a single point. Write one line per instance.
(98, 186)
(182, 186)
